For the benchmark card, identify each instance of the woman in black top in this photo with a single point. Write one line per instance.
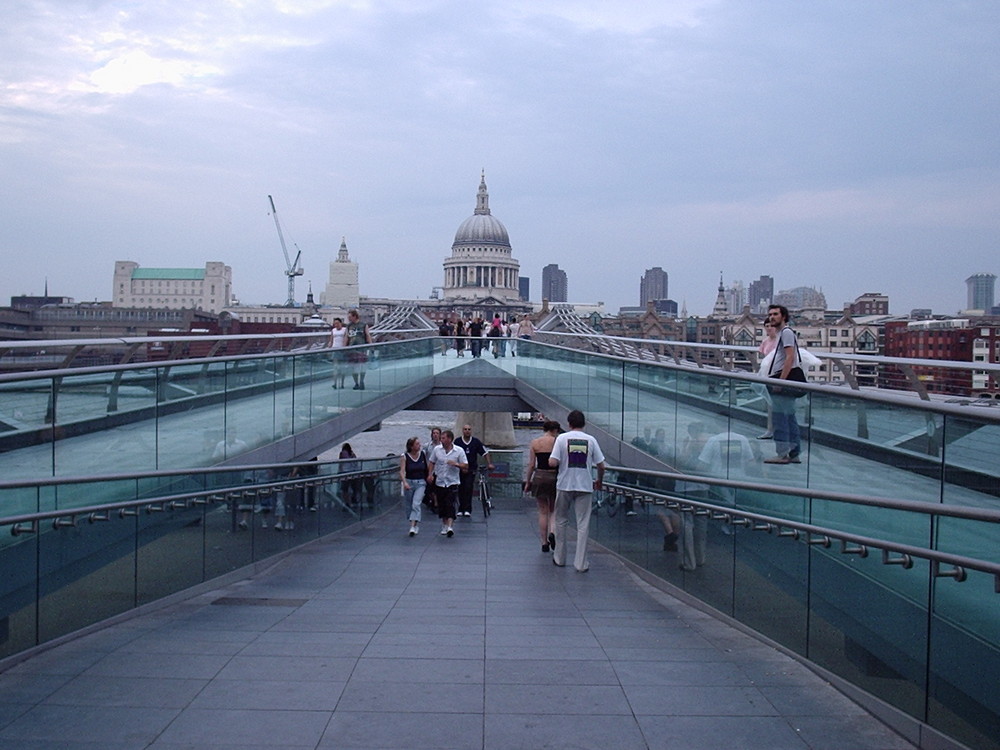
(540, 480)
(413, 475)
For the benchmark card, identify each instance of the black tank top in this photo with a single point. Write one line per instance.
(416, 469)
(542, 461)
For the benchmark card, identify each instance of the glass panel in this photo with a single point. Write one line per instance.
(965, 655)
(865, 629)
(18, 614)
(970, 475)
(170, 551)
(26, 426)
(86, 574)
(77, 495)
(895, 448)
(117, 408)
(771, 586)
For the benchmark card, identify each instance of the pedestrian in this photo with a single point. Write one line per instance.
(446, 464)
(527, 329)
(430, 495)
(786, 361)
(350, 489)
(338, 340)
(473, 448)
(496, 330)
(575, 454)
(767, 345)
(475, 329)
(460, 337)
(445, 332)
(540, 481)
(413, 475)
(512, 332)
(358, 336)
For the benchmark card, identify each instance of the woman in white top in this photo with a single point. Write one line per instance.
(766, 347)
(338, 340)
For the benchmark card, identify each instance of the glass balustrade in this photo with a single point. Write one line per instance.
(80, 568)
(916, 640)
(910, 634)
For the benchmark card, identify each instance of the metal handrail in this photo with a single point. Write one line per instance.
(167, 473)
(951, 511)
(908, 399)
(100, 512)
(819, 535)
(166, 363)
(865, 358)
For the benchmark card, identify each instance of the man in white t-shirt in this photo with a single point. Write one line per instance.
(575, 454)
(445, 464)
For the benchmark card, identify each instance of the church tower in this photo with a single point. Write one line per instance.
(342, 288)
(721, 309)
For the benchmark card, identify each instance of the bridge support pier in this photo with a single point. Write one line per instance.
(494, 428)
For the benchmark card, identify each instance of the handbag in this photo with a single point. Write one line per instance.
(796, 373)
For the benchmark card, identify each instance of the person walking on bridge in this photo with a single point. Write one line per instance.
(575, 454)
(445, 465)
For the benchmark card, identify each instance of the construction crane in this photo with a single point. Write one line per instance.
(292, 267)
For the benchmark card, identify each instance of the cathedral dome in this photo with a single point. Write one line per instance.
(482, 229)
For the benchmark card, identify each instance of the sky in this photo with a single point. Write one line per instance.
(848, 145)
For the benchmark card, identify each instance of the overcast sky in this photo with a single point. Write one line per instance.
(850, 145)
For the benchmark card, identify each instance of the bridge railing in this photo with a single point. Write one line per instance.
(77, 551)
(924, 377)
(193, 412)
(880, 606)
(880, 471)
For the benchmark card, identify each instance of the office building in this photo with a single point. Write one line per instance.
(554, 284)
(980, 288)
(209, 288)
(760, 293)
(870, 303)
(652, 286)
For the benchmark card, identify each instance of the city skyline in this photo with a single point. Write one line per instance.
(728, 138)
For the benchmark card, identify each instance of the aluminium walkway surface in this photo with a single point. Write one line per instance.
(370, 639)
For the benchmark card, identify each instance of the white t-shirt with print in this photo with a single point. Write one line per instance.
(577, 454)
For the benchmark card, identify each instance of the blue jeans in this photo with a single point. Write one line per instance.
(413, 498)
(786, 429)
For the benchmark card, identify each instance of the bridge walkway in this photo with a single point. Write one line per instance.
(371, 639)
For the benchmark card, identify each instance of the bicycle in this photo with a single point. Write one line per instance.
(484, 494)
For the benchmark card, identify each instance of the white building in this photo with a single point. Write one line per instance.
(481, 264)
(342, 289)
(209, 288)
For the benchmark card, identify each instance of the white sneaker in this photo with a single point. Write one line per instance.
(277, 526)
(413, 530)
(450, 531)
(445, 531)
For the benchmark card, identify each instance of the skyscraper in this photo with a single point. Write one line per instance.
(980, 287)
(761, 292)
(554, 283)
(652, 286)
